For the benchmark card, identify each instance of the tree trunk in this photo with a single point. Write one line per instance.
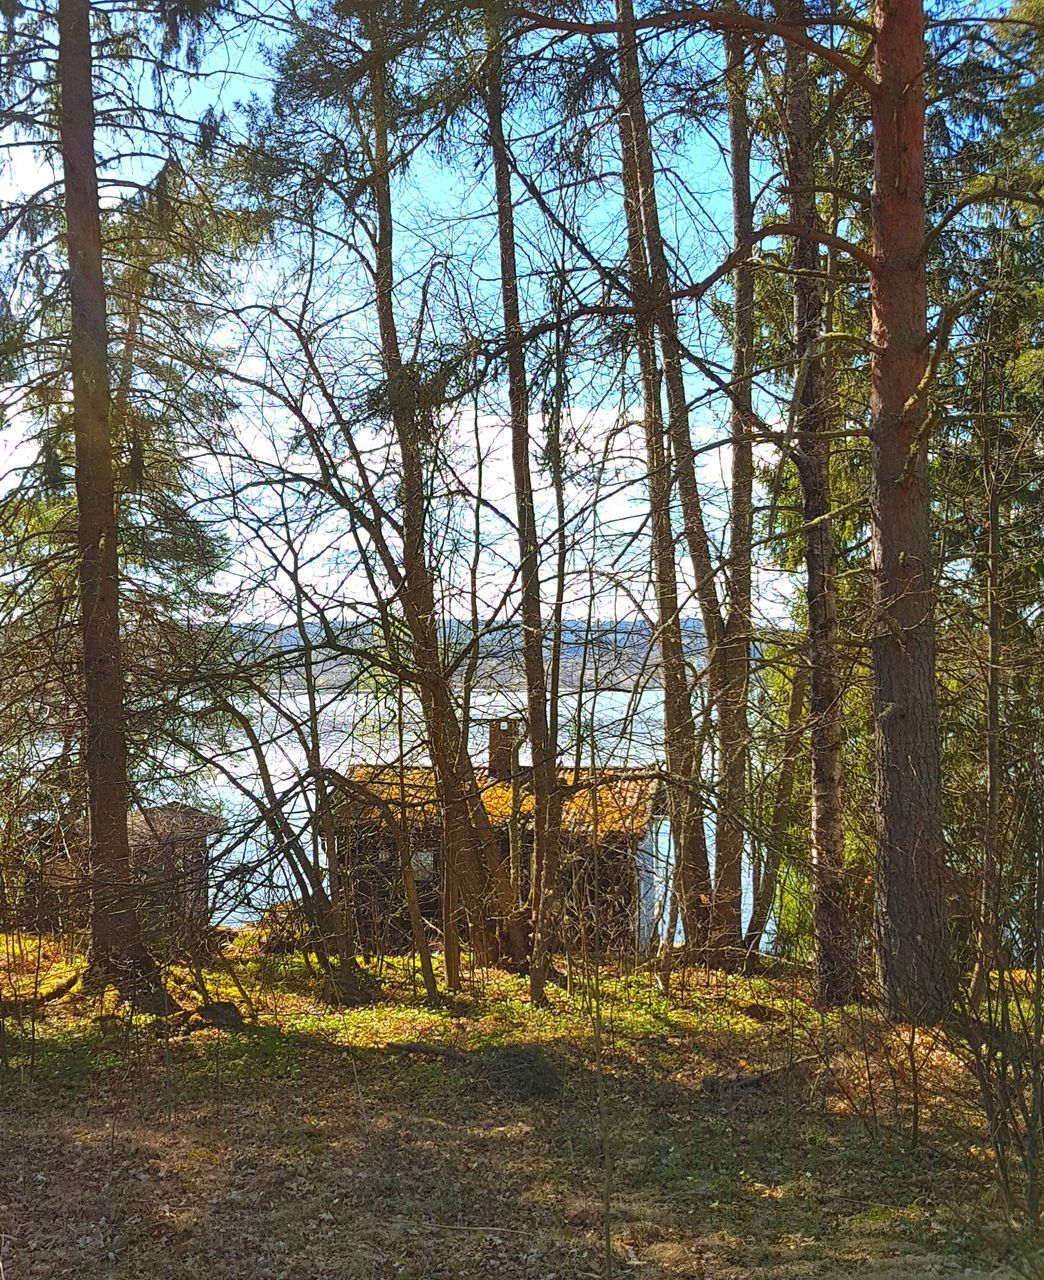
(115, 933)
(472, 859)
(648, 292)
(835, 954)
(910, 853)
(735, 646)
(547, 800)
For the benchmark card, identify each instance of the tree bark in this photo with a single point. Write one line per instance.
(547, 799)
(115, 933)
(472, 859)
(837, 980)
(649, 293)
(910, 853)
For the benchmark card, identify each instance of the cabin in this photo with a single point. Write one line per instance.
(170, 850)
(388, 813)
(170, 854)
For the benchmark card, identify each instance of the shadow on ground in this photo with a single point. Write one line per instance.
(283, 1155)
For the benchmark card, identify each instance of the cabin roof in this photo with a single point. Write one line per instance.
(611, 802)
(169, 823)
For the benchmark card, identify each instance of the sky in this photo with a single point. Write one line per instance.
(433, 200)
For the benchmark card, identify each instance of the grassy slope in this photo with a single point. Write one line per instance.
(300, 1148)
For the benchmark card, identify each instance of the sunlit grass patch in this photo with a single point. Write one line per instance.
(32, 966)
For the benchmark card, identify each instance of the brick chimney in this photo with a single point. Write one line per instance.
(503, 747)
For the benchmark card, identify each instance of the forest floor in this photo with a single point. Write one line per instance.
(728, 1132)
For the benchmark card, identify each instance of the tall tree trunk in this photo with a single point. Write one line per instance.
(835, 952)
(692, 852)
(547, 801)
(649, 293)
(735, 647)
(473, 861)
(910, 852)
(115, 934)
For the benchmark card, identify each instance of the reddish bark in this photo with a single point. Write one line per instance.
(910, 854)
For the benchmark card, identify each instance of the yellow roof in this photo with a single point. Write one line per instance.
(613, 802)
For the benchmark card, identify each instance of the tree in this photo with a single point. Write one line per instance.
(115, 930)
(837, 979)
(648, 286)
(547, 799)
(910, 851)
(470, 850)
(357, 86)
(76, 271)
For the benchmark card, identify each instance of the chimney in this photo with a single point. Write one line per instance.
(503, 747)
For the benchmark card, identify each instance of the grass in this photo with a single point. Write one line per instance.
(299, 1147)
